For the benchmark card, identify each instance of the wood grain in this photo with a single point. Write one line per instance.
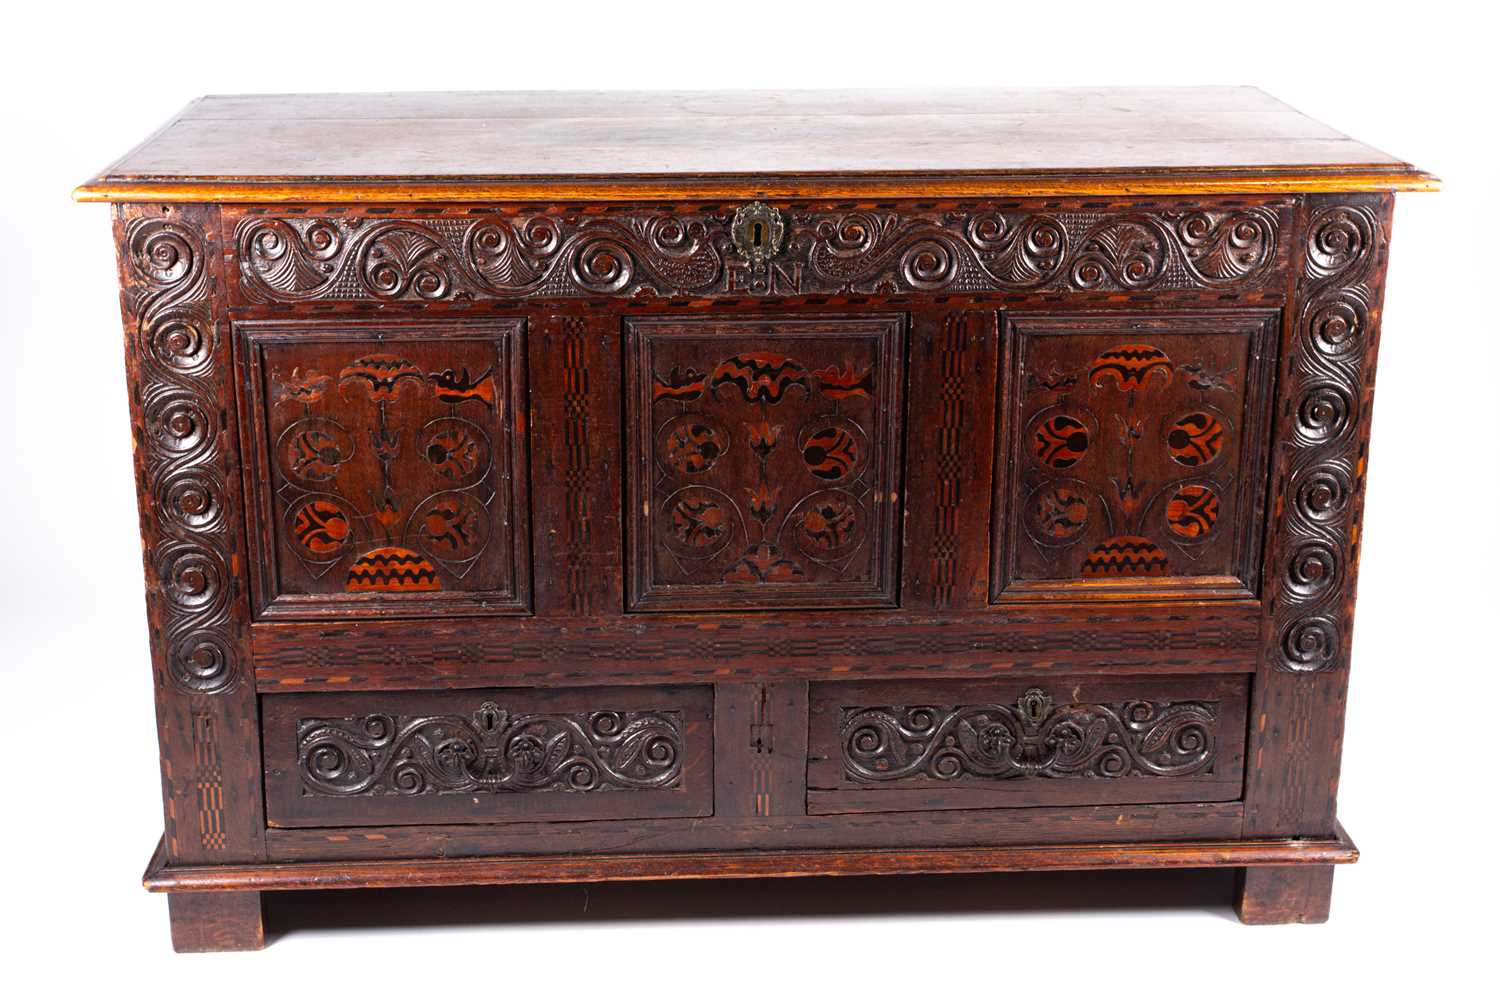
(742, 144)
(744, 864)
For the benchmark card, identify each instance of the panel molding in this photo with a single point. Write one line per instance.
(764, 461)
(1157, 526)
(405, 545)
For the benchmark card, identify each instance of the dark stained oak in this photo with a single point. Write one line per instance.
(1288, 856)
(220, 921)
(741, 144)
(1284, 895)
(576, 487)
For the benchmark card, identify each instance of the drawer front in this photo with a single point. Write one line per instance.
(389, 467)
(897, 746)
(764, 462)
(488, 756)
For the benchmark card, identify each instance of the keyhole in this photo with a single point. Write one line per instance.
(755, 235)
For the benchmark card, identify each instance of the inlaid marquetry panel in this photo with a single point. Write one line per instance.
(1134, 446)
(391, 473)
(763, 466)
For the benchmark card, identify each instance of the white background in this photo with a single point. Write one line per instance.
(79, 797)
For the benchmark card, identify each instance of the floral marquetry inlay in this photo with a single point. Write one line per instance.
(764, 458)
(1137, 446)
(390, 467)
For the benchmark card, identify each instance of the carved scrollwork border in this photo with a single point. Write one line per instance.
(177, 365)
(964, 248)
(1324, 434)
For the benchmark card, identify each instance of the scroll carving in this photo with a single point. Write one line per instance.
(562, 254)
(1324, 436)
(490, 751)
(1034, 738)
(177, 360)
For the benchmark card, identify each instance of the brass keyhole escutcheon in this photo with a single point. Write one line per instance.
(757, 231)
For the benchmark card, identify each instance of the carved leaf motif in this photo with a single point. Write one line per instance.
(1031, 739)
(492, 751)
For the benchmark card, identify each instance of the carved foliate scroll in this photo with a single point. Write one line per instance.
(490, 750)
(1033, 738)
(463, 254)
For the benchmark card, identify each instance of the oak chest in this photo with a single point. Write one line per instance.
(572, 487)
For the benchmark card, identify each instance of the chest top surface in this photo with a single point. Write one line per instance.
(645, 145)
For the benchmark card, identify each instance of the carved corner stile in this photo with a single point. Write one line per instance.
(191, 507)
(1316, 502)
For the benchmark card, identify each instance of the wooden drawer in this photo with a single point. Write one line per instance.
(898, 746)
(487, 756)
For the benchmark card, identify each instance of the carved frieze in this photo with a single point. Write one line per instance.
(697, 250)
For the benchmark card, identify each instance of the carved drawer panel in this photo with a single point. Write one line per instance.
(899, 746)
(488, 756)
(390, 467)
(1133, 454)
(764, 462)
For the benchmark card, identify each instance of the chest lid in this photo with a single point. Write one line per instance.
(631, 146)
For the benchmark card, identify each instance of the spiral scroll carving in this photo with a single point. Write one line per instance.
(490, 751)
(1031, 739)
(1320, 467)
(176, 356)
(975, 248)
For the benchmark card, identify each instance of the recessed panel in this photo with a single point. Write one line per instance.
(763, 466)
(391, 477)
(1134, 447)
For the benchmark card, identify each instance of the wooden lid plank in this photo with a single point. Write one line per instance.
(600, 145)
